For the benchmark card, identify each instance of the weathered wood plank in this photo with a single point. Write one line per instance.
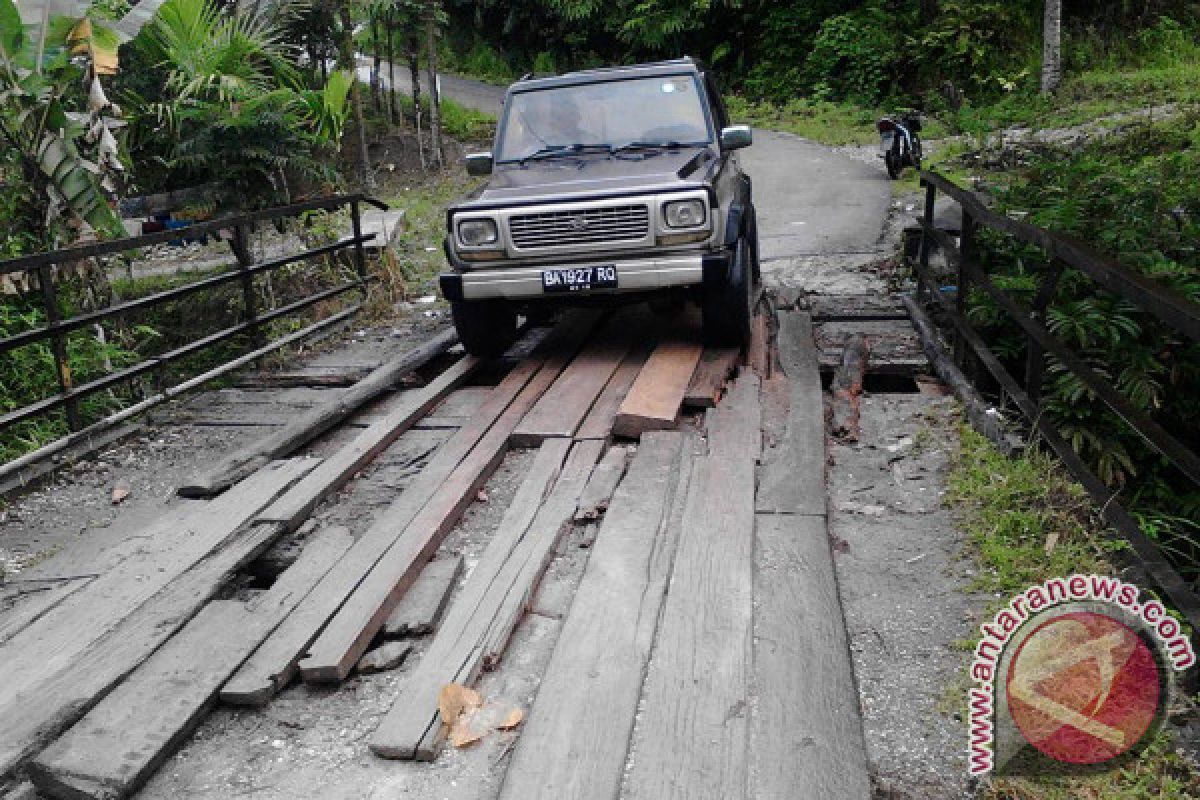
(58, 700)
(491, 603)
(598, 424)
(574, 742)
(758, 350)
(792, 479)
(846, 388)
(716, 367)
(566, 403)
(117, 746)
(296, 505)
(654, 399)
(314, 422)
(600, 487)
(692, 735)
(806, 729)
(160, 554)
(422, 606)
(25, 609)
(417, 532)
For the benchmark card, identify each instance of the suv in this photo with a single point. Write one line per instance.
(606, 185)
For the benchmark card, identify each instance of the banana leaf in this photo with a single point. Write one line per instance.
(74, 178)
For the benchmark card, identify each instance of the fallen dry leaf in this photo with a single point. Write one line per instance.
(120, 492)
(512, 720)
(454, 699)
(481, 496)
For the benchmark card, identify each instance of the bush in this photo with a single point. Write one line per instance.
(854, 57)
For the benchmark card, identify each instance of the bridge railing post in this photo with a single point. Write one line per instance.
(926, 240)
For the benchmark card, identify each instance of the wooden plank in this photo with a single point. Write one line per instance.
(417, 531)
(491, 603)
(566, 403)
(314, 422)
(846, 388)
(159, 554)
(758, 351)
(693, 728)
(792, 479)
(337, 377)
(421, 608)
(716, 367)
(600, 487)
(598, 424)
(574, 740)
(806, 728)
(117, 746)
(58, 700)
(31, 604)
(654, 399)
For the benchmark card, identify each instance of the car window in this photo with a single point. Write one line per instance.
(615, 113)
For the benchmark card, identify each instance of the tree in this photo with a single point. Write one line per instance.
(433, 16)
(1052, 47)
(347, 60)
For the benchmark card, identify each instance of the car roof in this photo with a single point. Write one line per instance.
(679, 66)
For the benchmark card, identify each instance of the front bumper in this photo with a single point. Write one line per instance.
(633, 275)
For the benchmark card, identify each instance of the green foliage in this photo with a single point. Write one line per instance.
(854, 57)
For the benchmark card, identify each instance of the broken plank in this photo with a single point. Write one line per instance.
(804, 732)
(654, 398)
(313, 422)
(117, 746)
(155, 557)
(716, 367)
(416, 530)
(847, 387)
(64, 697)
(792, 478)
(422, 606)
(565, 404)
(758, 350)
(693, 728)
(601, 485)
(574, 741)
(493, 599)
(598, 424)
(313, 376)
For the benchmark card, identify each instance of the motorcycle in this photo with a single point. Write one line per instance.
(900, 143)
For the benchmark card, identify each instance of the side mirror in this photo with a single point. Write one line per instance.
(736, 137)
(479, 164)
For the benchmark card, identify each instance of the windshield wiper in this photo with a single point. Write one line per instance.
(560, 150)
(669, 144)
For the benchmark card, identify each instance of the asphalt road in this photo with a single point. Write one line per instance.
(812, 200)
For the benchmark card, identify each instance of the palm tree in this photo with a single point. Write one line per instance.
(1052, 47)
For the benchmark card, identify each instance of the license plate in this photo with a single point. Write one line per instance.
(579, 279)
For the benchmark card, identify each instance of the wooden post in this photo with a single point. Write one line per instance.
(241, 248)
(1035, 358)
(926, 238)
(360, 255)
(58, 344)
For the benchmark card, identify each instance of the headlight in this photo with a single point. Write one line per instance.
(685, 213)
(478, 232)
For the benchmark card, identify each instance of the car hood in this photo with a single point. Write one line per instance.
(589, 175)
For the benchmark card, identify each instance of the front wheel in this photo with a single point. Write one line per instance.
(486, 328)
(894, 167)
(727, 310)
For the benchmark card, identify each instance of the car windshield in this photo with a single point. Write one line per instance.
(575, 119)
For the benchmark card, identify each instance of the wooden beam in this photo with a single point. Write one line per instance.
(417, 526)
(575, 738)
(654, 399)
(159, 555)
(716, 367)
(792, 479)
(313, 423)
(598, 424)
(806, 729)
(846, 389)
(421, 608)
(693, 729)
(600, 487)
(566, 403)
(490, 604)
(58, 700)
(115, 749)
(298, 503)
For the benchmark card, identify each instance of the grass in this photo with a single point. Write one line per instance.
(833, 124)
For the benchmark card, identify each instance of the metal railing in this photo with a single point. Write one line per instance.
(1178, 313)
(57, 329)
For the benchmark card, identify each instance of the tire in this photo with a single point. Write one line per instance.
(486, 328)
(727, 310)
(892, 160)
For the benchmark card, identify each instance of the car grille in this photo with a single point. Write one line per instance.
(582, 227)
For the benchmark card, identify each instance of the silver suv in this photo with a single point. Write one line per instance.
(609, 185)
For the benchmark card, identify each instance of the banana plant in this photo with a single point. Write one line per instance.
(40, 72)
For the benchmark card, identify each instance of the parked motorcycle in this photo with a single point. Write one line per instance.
(900, 143)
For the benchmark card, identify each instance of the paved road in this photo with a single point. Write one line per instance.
(814, 202)
(467, 92)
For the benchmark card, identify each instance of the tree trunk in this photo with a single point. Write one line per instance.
(389, 26)
(348, 61)
(435, 115)
(1052, 47)
(377, 69)
(414, 72)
